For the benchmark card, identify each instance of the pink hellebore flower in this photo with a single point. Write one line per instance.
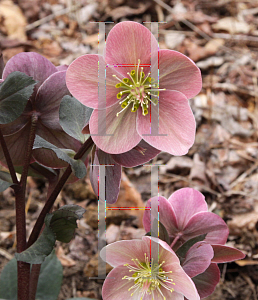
(135, 277)
(125, 72)
(45, 101)
(185, 216)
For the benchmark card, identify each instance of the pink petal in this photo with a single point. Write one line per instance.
(207, 281)
(176, 121)
(121, 135)
(174, 295)
(122, 252)
(179, 73)
(224, 254)
(62, 67)
(207, 222)
(198, 258)
(166, 215)
(32, 64)
(186, 202)
(112, 173)
(116, 288)
(49, 97)
(139, 155)
(126, 43)
(183, 283)
(88, 76)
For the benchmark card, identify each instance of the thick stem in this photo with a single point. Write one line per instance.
(24, 268)
(8, 158)
(51, 199)
(34, 120)
(35, 269)
(34, 277)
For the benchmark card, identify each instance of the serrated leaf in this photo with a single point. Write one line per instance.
(49, 284)
(163, 234)
(15, 92)
(187, 245)
(5, 181)
(73, 116)
(63, 222)
(78, 166)
(37, 252)
(59, 225)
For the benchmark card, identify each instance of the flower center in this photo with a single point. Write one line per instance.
(147, 279)
(140, 90)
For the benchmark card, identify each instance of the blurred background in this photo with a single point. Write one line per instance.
(222, 38)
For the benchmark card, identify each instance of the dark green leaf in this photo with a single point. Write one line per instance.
(49, 284)
(63, 222)
(15, 92)
(37, 170)
(50, 278)
(8, 281)
(5, 181)
(187, 245)
(59, 225)
(73, 116)
(37, 252)
(66, 155)
(163, 234)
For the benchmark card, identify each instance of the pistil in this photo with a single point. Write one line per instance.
(141, 89)
(148, 278)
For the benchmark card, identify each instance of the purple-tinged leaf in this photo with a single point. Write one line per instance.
(78, 166)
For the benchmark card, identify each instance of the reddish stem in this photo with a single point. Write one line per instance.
(51, 199)
(8, 158)
(35, 269)
(24, 268)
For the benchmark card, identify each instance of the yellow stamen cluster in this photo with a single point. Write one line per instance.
(148, 278)
(140, 90)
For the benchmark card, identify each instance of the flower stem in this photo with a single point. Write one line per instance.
(24, 268)
(8, 158)
(35, 269)
(51, 199)
(174, 241)
(34, 277)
